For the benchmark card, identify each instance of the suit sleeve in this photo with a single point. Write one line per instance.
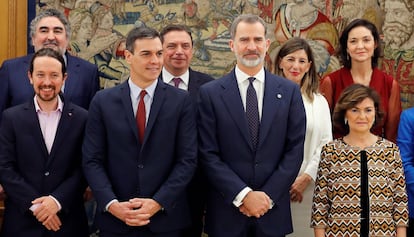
(228, 183)
(4, 88)
(94, 158)
(95, 83)
(186, 158)
(405, 141)
(291, 161)
(14, 184)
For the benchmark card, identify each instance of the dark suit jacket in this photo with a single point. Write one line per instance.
(15, 87)
(230, 162)
(118, 167)
(27, 171)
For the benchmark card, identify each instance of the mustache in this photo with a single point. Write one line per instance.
(47, 87)
(51, 42)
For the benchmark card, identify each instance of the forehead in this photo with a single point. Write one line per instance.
(367, 102)
(176, 35)
(46, 63)
(245, 29)
(147, 45)
(50, 22)
(359, 31)
(298, 53)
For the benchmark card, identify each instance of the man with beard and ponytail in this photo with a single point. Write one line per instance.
(398, 59)
(251, 128)
(40, 157)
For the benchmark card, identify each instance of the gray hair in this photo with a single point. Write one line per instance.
(50, 13)
(247, 18)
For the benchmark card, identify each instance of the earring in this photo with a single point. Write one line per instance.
(347, 56)
(346, 121)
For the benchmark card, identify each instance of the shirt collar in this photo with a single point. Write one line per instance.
(167, 76)
(38, 109)
(136, 90)
(242, 76)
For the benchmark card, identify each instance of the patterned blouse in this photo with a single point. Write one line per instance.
(336, 201)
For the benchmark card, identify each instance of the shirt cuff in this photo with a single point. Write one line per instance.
(57, 202)
(238, 200)
(109, 204)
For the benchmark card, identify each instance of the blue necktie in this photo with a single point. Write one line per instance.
(252, 113)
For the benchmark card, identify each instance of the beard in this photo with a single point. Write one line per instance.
(49, 96)
(396, 33)
(251, 62)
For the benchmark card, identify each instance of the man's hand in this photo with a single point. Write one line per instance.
(45, 210)
(256, 203)
(44, 207)
(52, 223)
(141, 216)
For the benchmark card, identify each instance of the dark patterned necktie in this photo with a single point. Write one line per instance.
(252, 112)
(140, 117)
(176, 81)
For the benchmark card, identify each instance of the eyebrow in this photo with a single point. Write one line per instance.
(54, 28)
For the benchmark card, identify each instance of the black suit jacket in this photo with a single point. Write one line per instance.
(230, 161)
(117, 166)
(28, 171)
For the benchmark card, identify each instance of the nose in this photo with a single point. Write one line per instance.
(155, 58)
(51, 35)
(251, 45)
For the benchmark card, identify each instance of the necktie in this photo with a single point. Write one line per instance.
(140, 117)
(176, 81)
(252, 112)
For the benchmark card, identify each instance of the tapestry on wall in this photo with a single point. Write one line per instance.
(99, 29)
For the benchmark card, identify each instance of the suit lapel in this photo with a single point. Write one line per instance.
(273, 95)
(232, 100)
(62, 129)
(126, 102)
(158, 100)
(73, 68)
(37, 131)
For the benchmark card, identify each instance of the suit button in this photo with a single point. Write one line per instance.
(141, 166)
(47, 173)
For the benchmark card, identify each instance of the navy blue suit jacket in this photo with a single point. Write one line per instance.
(118, 167)
(230, 162)
(28, 171)
(15, 88)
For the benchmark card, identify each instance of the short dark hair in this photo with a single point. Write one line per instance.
(175, 27)
(310, 82)
(50, 12)
(140, 33)
(343, 42)
(349, 98)
(247, 18)
(48, 52)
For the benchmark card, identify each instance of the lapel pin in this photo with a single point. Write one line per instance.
(278, 96)
(70, 113)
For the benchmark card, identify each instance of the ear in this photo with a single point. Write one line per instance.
(65, 76)
(128, 56)
(231, 45)
(29, 75)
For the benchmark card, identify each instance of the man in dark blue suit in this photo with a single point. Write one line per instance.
(138, 166)
(251, 127)
(49, 29)
(177, 44)
(41, 155)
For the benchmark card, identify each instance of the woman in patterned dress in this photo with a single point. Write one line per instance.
(360, 185)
